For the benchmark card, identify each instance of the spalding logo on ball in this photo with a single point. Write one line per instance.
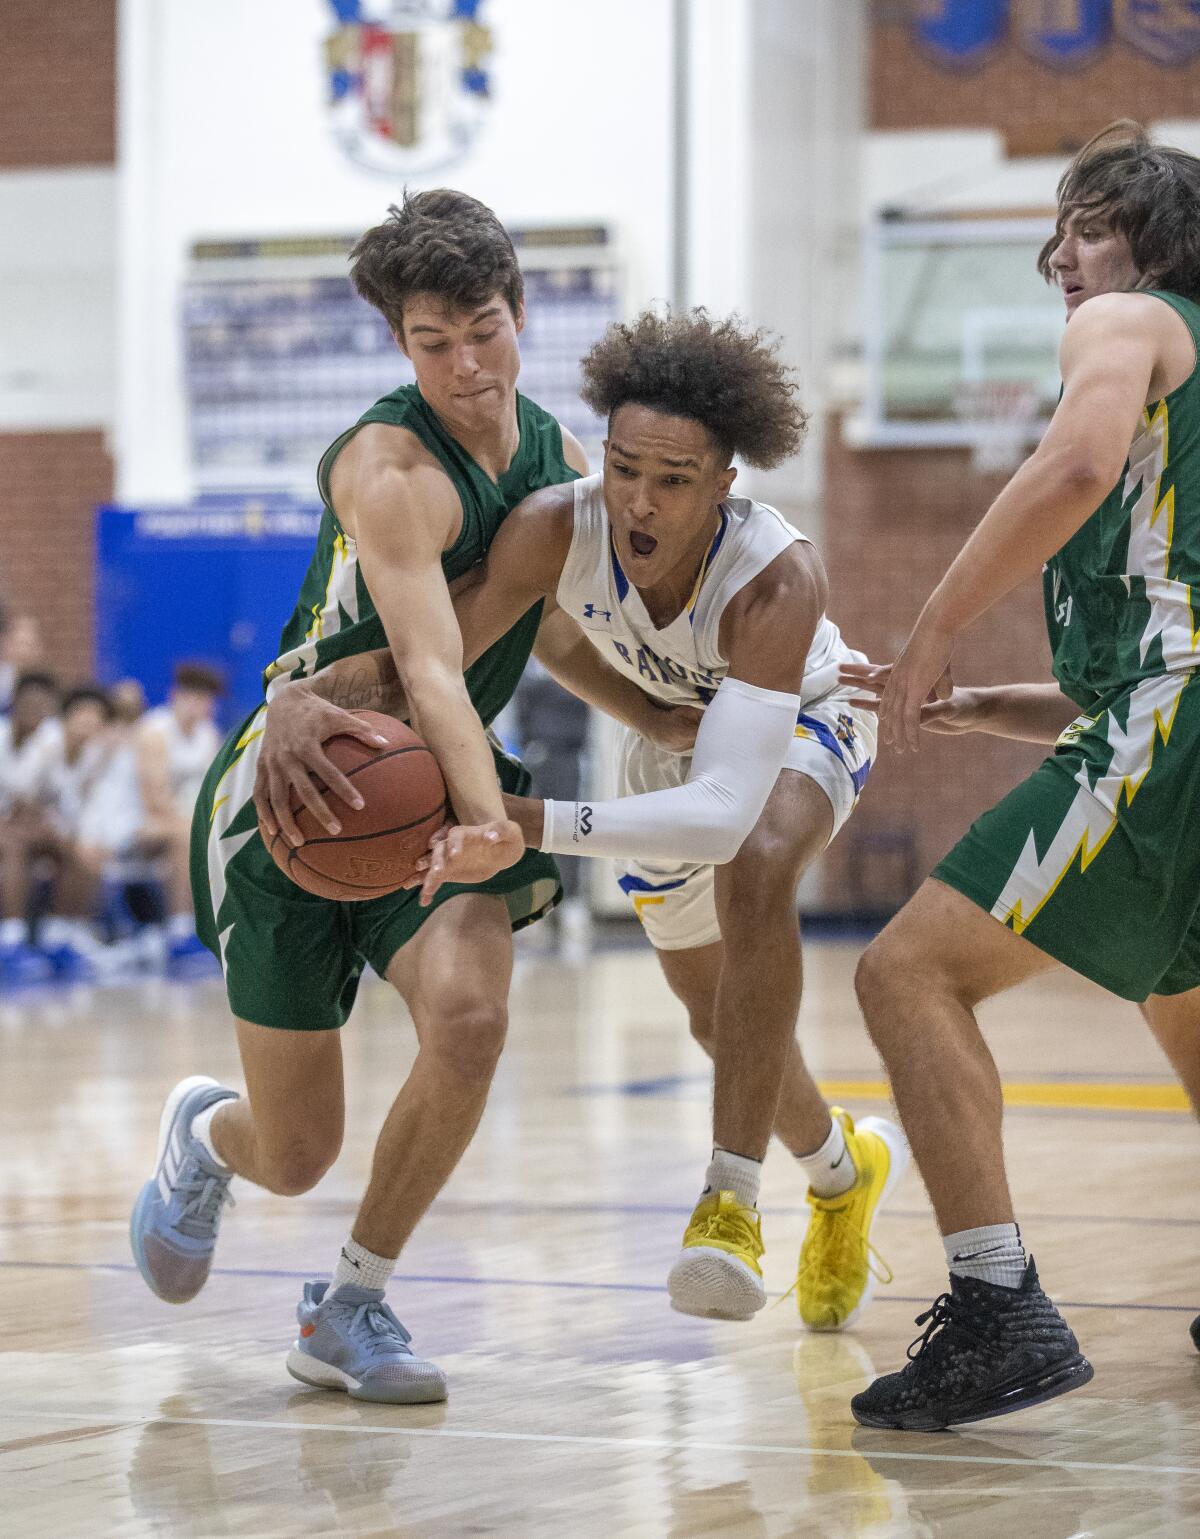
(404, 804)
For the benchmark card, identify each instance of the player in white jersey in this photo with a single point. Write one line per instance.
(707, 601)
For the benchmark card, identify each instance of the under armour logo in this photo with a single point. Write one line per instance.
(590, 612)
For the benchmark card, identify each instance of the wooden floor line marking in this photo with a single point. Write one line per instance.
(675, 1445)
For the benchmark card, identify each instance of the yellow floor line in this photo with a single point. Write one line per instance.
(1097, 1097)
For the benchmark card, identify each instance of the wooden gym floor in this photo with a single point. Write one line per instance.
(580, 1405)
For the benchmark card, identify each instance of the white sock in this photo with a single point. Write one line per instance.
(201, 1130)
(733, 1173)
(180, 926)
(362, 1268)
(12, 932)
(993, 1254)
(830, 1169)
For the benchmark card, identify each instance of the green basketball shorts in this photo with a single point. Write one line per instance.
(1096, 857)
(292, 960)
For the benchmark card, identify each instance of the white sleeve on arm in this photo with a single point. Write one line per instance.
(740, 749)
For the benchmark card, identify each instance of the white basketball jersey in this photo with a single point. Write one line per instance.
(188, 755)
(681, 664)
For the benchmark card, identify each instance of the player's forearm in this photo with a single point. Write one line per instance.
(740, 749)
(444, 717)
(573, 662)
(1046, 502)
(1031, 713)
(368, 681)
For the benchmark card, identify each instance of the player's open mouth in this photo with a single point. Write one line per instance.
(643, 544)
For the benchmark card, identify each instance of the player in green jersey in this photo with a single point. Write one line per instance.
(414, 494)
(1094, 861)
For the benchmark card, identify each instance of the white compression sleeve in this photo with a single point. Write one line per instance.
(740, 749)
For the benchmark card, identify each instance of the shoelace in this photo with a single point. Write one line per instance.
(379, 1321)
(851, 1239)
(729, 1226)
(944, 1312)
(204, 1197)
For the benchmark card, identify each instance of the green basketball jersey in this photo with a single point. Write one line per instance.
(1118, 595)
(335, 616)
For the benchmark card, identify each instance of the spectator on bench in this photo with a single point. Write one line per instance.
(175, 744)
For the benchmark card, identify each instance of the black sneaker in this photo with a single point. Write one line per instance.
(986, 1351)
(1196, 1332)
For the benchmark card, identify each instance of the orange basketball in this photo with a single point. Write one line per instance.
(404, 802)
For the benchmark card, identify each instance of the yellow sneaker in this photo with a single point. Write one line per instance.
(717, 1274)
(839, 1266)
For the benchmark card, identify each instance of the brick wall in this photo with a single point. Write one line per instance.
(1038, 109)
(893, 522)
(50, 484)
(57, 74)
(57, 110)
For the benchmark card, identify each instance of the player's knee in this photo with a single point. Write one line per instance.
(297, 1169)
(468, 1038)
(763, 876)
(896, 968)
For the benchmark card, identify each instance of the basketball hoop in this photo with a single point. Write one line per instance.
(1001, 415)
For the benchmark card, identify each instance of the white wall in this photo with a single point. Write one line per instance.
(224, 132)
(57, 293)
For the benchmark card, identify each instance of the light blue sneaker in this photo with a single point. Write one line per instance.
(351, 1340)
(175, 1220)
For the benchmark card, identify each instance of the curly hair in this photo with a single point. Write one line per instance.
(1149, 192)
(719, 373)
(440, 242)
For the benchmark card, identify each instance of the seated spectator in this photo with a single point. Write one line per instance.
(35, 701)
(175, 744)
(51, 885)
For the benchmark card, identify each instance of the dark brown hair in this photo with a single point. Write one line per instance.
(198, 676)
(440, 242)
(88, 694)
(1149, 192)
(719, 373)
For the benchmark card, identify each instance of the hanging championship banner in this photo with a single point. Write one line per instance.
(409, 87)
(1167, 30)
(958, 33)
(1063, 33)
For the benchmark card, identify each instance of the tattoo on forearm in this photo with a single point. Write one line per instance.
(362, 690)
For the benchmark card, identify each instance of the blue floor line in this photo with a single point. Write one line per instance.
(534, 1282)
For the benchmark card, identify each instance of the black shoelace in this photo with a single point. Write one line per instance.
(944, 1314)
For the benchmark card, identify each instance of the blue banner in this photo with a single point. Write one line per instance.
(959, 32)
(1064, 33)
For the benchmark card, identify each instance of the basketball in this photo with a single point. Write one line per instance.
(404, 803)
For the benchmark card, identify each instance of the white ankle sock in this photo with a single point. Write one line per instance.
(830, 1169)
(733, 1173)
(993, 1254)
(12, 932)
(201, 1130)
(362, 1268)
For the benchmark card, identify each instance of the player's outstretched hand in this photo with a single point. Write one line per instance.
(292, 758)
(467, 853)
(672, 727)
(949, 708)
(920, 674)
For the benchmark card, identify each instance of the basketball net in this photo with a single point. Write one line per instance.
(1001, 415)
